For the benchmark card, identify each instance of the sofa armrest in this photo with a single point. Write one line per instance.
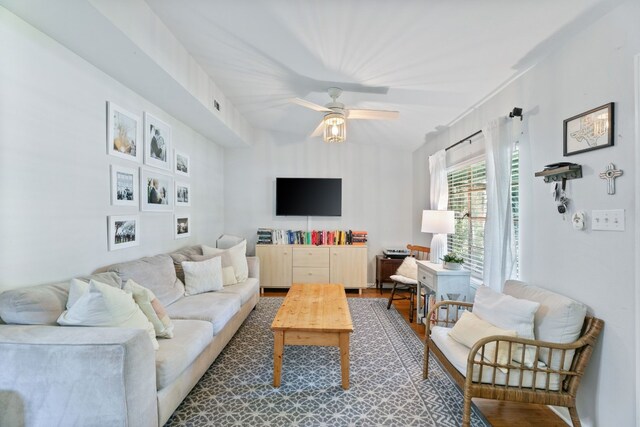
(254, 266)
(54, 375)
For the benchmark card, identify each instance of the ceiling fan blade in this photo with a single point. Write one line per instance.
(373, 114)
(310, 105)
(318, 131)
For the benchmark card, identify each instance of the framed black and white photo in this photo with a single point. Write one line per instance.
(182, 226)
(182, 163)
(124, 186)
(183, 194)
(123, 133)
(157, 142)
(588, 131)
(124, 231)
(156, 191)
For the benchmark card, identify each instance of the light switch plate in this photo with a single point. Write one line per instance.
(608, 220)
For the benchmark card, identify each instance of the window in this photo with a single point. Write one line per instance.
(468, 199)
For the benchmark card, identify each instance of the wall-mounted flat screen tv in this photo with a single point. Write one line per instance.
(309, 196)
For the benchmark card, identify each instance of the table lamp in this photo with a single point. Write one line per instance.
(439, 223)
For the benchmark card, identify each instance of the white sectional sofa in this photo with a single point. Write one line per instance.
(92, 376)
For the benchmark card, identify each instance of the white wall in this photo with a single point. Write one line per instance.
(54, 170)
(597, 268)
(376, 188)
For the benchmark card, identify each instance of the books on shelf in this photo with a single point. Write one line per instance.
(270, 236)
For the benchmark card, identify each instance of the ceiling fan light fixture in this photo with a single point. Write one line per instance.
(335, 127)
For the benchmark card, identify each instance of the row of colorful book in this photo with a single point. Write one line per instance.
(268, 236)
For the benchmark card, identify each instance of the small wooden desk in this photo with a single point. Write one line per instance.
(385, 268)
(313, 314)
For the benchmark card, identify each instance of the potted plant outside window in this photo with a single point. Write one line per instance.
(452, 262)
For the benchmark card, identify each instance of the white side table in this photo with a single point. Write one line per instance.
(445, 284)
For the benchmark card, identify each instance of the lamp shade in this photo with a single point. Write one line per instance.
(438, 222)
(335, 128)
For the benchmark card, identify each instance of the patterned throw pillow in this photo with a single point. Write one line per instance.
(152, 308)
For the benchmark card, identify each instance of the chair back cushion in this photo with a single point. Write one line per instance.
(408, 268)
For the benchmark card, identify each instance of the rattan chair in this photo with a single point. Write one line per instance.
(408, 284)
(483, 382)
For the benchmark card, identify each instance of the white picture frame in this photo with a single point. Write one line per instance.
(183, 194)
(181, 163)
(124, 186)
(157, 142)
(156, 191)
(123, 133)
(182, 226)
(123, 231)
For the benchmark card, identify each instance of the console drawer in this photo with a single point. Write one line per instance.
(310, 257)
(311, 274)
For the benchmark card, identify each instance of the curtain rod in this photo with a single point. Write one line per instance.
(516, 112)
(468, 138)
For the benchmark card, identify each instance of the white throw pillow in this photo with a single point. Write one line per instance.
(202, 276)
(469, 329)
(228, 276)
(99, 304)
(152, 308)
(236, 256)
(408, 268)
(77, 288)
(507, 312)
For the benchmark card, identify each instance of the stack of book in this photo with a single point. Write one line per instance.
(265, 236)
(359, 238)
(268, 236)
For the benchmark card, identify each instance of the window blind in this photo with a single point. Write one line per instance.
(468, 199)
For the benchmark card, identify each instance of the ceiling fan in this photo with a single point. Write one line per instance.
(333, 126)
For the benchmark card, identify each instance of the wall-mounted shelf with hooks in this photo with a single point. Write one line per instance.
(552, 174)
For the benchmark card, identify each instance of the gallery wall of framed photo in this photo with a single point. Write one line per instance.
(155, 179)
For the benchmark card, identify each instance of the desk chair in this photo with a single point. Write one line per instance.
(408, 284)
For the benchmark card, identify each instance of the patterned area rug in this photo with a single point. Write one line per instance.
(386, 385)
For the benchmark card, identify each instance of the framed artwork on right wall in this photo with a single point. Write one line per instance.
(588, 131)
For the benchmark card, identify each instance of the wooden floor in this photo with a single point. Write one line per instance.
(499, 414)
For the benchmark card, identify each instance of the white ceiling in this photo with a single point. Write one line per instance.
(434, 59)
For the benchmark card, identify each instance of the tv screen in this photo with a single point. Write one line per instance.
(309, 196)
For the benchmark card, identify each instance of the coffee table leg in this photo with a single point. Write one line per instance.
(344, 359)
(278, 349)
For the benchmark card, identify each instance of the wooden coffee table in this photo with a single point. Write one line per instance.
(313, 314)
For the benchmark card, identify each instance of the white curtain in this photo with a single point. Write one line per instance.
(439, 199)
(499, 241)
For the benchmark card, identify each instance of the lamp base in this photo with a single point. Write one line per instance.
(438, 248)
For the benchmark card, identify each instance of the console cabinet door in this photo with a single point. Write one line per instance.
(349, 266)
(275, 266)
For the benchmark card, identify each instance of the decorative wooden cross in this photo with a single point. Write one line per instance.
(610, 174)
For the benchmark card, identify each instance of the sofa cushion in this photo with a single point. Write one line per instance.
(457, 354)
(190, 339)
(469, 329)
(154, 273)
(559, 319)
(245, 290)
(43, 304)
(214, 307)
